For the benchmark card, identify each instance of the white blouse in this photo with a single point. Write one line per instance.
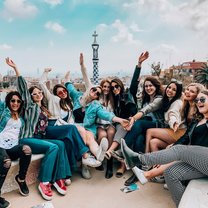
(9, 137)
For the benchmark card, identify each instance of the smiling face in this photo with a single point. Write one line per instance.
(116, 89)
(150, 89)
(190, 93)
(37, 95)
(95, 93)
(202, 103)
(61, 92)
(15, 103)
(171, 90)
(106, 88)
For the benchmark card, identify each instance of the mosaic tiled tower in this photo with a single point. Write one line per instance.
(95, 59)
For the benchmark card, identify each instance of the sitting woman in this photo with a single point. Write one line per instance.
(160, 138)
(189, 161)
(34, 135)
(10, 149)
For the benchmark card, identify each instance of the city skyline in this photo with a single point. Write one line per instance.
(51, 33)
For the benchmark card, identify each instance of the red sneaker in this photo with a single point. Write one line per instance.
(60, 187)
(45, 190)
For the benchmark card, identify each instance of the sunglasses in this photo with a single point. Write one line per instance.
(61, 92)
(38, 93)
(201, 99)
(95, 90)
(15, 101)
(115, 87)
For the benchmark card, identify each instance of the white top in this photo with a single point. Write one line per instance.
(9, 137)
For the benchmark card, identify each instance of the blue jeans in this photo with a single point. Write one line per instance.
(54, 165)
(74, 144)
(135, 139)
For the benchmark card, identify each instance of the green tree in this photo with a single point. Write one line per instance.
(201, 75)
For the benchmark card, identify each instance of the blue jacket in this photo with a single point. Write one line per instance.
(5, 115)
(93, 110)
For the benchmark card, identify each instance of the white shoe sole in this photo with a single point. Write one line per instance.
(103, 148)
(60, 191)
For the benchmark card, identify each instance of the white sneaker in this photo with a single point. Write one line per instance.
(91, 161)
(86, 172)
(140, 175)
(102, 149)
(67, 182)
(165, 186)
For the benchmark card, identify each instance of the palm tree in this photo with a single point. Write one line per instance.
(201, 75)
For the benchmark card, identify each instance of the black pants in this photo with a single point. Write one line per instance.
(14, 153)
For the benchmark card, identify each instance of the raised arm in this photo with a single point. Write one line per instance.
(134, 82)
(85, 76)
(21, 84)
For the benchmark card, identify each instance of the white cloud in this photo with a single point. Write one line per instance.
(135, 28)
(53, 2)
(5, 47)
(56, 27)
(18, 9)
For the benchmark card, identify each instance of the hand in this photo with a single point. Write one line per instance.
(81, 59)
(143, 57)
(124, 123)
(10, 63)
(175, 127)
(131, 123)
(67, 75)
(47, 70)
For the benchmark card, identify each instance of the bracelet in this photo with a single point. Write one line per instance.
(134, 119)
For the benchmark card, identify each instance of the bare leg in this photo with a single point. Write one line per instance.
(157, 144)
(158, 133)
(110, 132)
(101, 133)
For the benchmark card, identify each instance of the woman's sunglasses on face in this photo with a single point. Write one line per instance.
(38, 93)
(94, 89)
(114, 87)
(201, 99)
(61, 92)
(15, 101)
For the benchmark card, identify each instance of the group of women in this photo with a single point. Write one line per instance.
(68, 126)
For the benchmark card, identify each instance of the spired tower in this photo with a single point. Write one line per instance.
(95, 59)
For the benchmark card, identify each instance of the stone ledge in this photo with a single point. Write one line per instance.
(196, 194)
(10, 184)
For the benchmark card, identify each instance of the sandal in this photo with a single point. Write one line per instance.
(120, 171)
(108, 155)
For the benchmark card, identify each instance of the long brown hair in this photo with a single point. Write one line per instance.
(63, 102)
(109, 97)
(44, 104)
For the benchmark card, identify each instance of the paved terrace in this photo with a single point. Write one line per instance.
(98, 192)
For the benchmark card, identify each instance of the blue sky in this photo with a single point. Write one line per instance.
(51, 33)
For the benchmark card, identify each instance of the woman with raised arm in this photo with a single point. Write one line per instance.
(34, 135)
(190, 162)
(10, 149)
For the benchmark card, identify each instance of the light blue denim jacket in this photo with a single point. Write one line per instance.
(5, 115)
(93, 110)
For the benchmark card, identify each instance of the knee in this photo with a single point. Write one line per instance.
(153, 143)
(26, 150)
(7, 163)
(53, 148)
(170, 174)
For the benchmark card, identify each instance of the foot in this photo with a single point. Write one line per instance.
(117, 155)
(86, 172)
(120, 171)
(158, 179)
(102, 149)
(140, 175)
(60, 187)
(131, 180)
(45, 190)
(91, 161)
(109, 169)
(23, 189)
(4, 203)
(130, 157)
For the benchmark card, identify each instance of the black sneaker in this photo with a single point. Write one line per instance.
(4, 203)
(23, 189)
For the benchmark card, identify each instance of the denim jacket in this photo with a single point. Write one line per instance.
(5, 115)
(93, 110)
